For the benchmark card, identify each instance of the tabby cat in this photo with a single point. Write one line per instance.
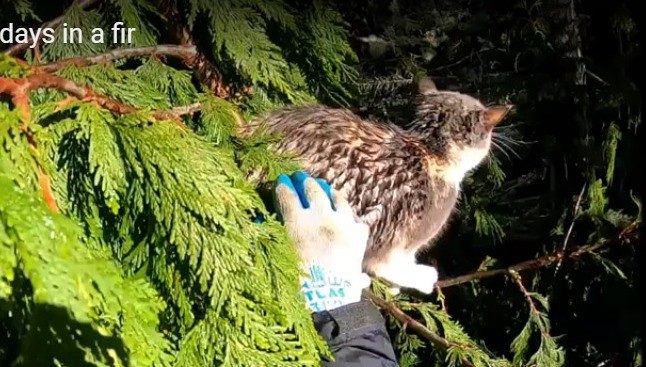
(403, 182)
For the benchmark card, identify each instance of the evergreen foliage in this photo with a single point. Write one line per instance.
(155, 258)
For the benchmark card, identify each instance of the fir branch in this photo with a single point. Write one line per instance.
(625, 235)
(415, 326)
(178, 51)
(18, 48)
(548, 352)
(187, 52)
(528, 296)
(19, 89)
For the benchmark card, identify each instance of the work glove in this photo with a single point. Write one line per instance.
(330, 242)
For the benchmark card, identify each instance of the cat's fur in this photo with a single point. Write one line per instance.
(404, 183)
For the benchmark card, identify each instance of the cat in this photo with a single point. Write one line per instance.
(402, 182)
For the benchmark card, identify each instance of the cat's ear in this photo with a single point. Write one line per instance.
(492, 116)
(425, 85)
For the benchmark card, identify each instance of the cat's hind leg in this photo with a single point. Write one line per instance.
(400, 267)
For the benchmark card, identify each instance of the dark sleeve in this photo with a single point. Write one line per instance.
(357, 336)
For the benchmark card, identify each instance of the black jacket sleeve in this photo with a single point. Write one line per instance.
(357, 336)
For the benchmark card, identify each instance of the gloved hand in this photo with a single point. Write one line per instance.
(330, 241)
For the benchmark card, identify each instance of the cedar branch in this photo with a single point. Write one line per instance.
(415, 326)
(40, 80)
(20, 98)
(19, 89)
(16, 49)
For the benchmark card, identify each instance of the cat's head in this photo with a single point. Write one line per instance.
(457, 128)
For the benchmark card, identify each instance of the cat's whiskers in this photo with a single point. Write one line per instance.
(512, 140)
(509, 148)
(499, 148)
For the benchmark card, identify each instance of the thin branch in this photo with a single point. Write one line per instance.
(17, 48)
(625, 235)
(420, 329)
(22, 86)
(528, 297)
(414, 325)
(181, 52)
(187, 53)
(577, 208)
(187, 110)
(597, 77)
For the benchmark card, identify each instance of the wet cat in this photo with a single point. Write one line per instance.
(403, 182)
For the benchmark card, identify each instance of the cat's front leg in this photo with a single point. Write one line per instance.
(400, 267)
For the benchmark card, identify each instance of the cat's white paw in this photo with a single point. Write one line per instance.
(423, 278)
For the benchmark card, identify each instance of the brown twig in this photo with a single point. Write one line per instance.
(577, 208)
(20, 98)
(525, 265)
(177, 51)
(530, 301)
(415, 326)
(187, 110)
(20, 88)
(17, 48)
(528, 297)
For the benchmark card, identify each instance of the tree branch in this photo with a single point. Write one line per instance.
(17, 48)
(20, 88)
(420, 329)
(187, 110)
(180, 52)
(525, 265)
(415, 326)
(625, 235)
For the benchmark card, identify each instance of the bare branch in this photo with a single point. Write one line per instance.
(577, 208)
(625, 235)
(187, 110)
(181, 52)
(17, 48)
